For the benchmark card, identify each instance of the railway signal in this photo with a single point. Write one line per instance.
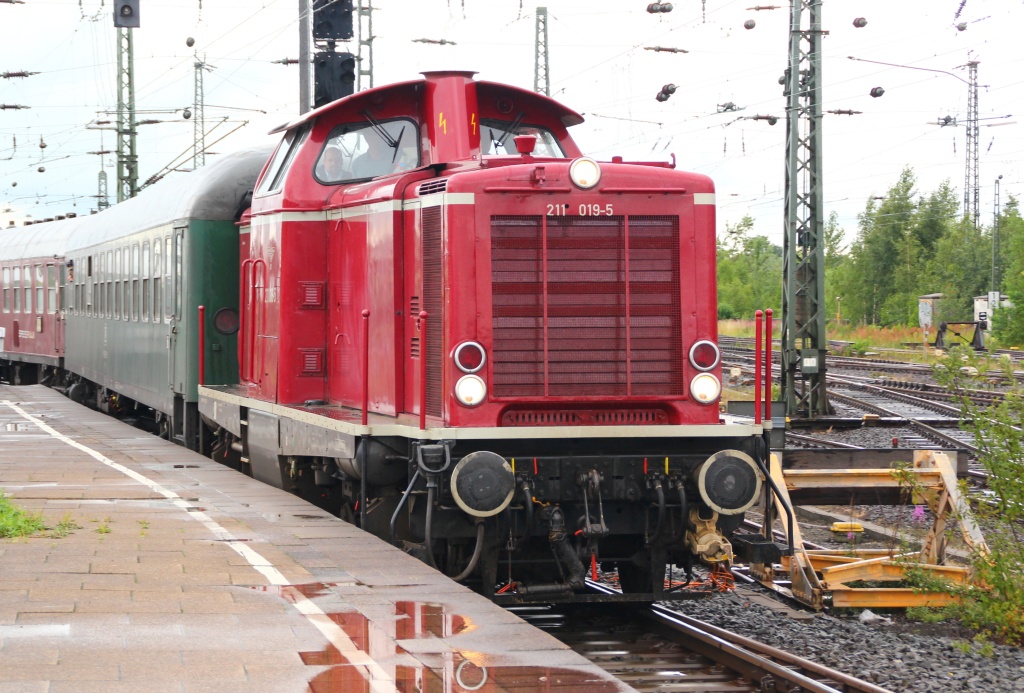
(666, 91)
(126, 14)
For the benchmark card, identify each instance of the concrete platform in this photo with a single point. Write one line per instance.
(164, 571)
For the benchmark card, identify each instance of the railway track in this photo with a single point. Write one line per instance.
(658, 649)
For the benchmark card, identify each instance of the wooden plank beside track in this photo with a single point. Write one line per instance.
(868, 458)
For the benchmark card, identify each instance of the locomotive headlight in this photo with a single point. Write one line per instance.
(584, 173)
(705, 388)
(470, 390)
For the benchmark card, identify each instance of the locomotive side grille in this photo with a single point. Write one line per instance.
(432, 302)
(432, 187)
(567, 322)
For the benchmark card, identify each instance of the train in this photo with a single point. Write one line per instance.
(428, 312)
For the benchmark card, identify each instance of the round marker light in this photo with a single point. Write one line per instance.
(470, 357)
(704, 355)
(584, 173)
(470, 390)
(225, 321)
(705, 388)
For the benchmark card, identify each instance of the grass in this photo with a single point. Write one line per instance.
(15, 522)
(64, 527)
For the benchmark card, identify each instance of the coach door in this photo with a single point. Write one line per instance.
(56, 278)
(176, 369)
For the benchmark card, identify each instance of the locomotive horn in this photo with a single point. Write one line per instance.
(729, 482)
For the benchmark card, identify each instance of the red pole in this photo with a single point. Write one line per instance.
(423, 369)
(757, 366)
(202, 344)
(366, 364)
(768, 365)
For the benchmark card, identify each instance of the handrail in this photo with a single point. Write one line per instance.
(423, 369)
(202, 345)
(757, 366)
(366, 365)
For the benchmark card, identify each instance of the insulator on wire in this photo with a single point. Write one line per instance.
(877, 91)
(749, 24)
(860, 22)
(656, 7)
(666, 91)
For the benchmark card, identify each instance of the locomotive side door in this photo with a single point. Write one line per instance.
(56, 279)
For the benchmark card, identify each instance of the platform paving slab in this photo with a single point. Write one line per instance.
(192, 577)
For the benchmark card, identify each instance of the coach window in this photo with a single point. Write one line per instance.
(7, 289)
(168, 290)
(40, 290)
(179, 240)
(145, 282)
(117, 284)
(135, 282)
(51, 287)
(108, 267)
(158, 269)
(17, 289)
(27, 285)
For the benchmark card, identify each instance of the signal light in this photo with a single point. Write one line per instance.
(334, 77)
(877, 91)
(666, 91)
(656, 7)
(860, 22)
(126, 14)
(749, 24)
(704, 355)
(332, 20)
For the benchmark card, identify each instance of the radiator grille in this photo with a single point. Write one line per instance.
(432, 301)
(562, 323)
(584, 417)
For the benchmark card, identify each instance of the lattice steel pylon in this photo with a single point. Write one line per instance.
(364, 54)
(127, 159)
(541, 77)
(972, 194)
(198, 113)
(803, 269)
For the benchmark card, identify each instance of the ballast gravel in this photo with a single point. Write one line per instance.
(880, 651)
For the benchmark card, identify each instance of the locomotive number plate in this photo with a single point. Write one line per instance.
(583, 210)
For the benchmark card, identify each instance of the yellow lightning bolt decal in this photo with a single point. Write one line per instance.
(472, 120)
(442, 123)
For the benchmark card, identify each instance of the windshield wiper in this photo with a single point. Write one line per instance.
(511, 126)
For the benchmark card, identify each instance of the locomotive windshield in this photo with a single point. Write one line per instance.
(367, 150)
(497, 137)
(282, 161)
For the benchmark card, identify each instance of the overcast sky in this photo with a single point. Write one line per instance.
(598, 66)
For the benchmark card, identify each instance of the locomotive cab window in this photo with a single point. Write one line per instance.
(359, 151)
(498, 137)
(282, 161)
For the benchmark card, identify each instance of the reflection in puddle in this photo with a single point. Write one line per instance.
(463, 675)
(396, 669)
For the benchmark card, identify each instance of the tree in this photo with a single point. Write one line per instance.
(1009, 322)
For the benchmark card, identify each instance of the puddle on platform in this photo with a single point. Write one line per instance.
(459, 671)
(461, 675)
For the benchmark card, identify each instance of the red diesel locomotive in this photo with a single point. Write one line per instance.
(460, 332)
